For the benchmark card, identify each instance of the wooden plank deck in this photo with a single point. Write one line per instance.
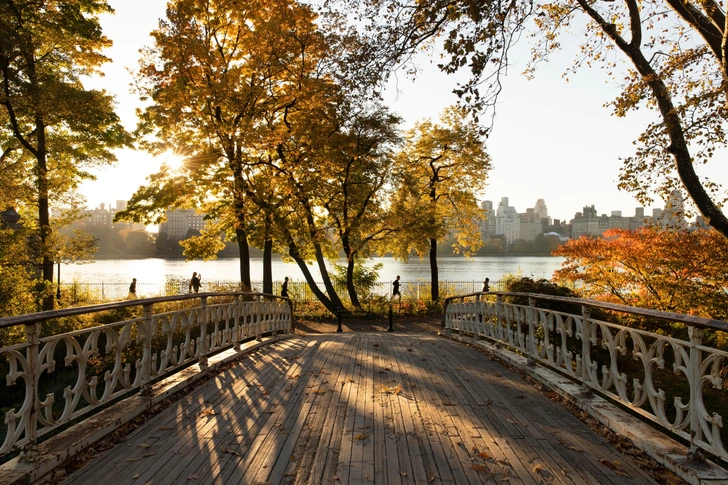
(354, 408)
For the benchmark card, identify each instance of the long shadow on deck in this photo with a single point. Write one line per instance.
(363, 408)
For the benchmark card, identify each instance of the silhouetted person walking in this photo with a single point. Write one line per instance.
(395, 288)
(284, 288)
(132, 290)
(486, 285)
(195, 282)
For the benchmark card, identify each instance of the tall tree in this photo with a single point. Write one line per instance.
(51, 124)
(443, 165)
(361, 152)
(675, 52)
(220, 70)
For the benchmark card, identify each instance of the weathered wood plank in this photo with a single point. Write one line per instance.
(297, 412)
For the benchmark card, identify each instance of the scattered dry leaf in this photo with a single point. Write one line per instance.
(392, 390)
(150, 482)
(209, 412)
(144, 445)
(538, 469)
(564, 471)
(319, 391)
(135, 476)
(479, 468)
(132, 459)
(294, 377)
(484, 455)
(192, 477)
(361, 437)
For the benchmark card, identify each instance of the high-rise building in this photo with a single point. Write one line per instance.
(180, 221)
(487, 227)
(508, 222)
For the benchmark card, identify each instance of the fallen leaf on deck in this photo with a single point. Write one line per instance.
(479, 468)
(564, 471)
(294, 377)
(361, 437)
(320, 391)
(392, 390)
(209, 412)
(192, 477)
(132, 459)
(538, 469)
(150, 482)
(484, 455)
(144, 445)
(135, 476)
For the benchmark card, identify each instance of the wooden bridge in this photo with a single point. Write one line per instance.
(363, 408)
(238, 397)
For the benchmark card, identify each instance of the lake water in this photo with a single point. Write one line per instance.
(451, 268)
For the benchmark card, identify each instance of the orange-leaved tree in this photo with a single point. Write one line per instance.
(676, 271)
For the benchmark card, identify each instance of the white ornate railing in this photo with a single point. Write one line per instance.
(131, 354)
(626, 365)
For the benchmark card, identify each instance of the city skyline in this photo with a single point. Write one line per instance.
(551, 139)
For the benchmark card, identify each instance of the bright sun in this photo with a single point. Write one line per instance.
(173, 160)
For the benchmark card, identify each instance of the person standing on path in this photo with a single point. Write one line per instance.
(132, 290)
(195, 282)
(486, 285)
(284, 288)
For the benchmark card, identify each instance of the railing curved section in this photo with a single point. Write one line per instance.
(105, 362)
(664, 379)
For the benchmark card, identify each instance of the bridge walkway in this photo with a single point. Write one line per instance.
(354, 408)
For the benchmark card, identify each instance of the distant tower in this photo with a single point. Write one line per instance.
(540, 209)
(673, 216)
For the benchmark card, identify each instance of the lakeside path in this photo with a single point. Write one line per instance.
(364, 406)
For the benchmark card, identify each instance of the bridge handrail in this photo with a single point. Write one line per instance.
(693, 320)
(132, 354)
(574, 344)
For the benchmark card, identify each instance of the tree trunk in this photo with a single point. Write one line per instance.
(244, 259)
(330, 306)
(350, 265)
(44, 223)
(434, 277)
(267, 266)
(350, 283)
(333, 296)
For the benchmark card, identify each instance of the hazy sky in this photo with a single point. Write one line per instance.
(552, 139)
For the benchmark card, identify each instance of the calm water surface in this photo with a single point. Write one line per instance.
(452, 268)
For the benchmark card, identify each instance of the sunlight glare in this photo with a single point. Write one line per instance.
(174, 161)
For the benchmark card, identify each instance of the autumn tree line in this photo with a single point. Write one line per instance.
(275, 107)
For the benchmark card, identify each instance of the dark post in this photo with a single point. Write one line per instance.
(390, 328)
(338, 317)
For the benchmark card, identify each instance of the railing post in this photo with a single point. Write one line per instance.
(236, 323)
(203, 333)
(584, 374)
(147, 332)
(338, 318)
(498, 315)
(30, 451)
(532, 346)
(696, 357)
(390, 328)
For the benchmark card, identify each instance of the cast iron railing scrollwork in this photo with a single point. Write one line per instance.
(629, 366)
(106, 362)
